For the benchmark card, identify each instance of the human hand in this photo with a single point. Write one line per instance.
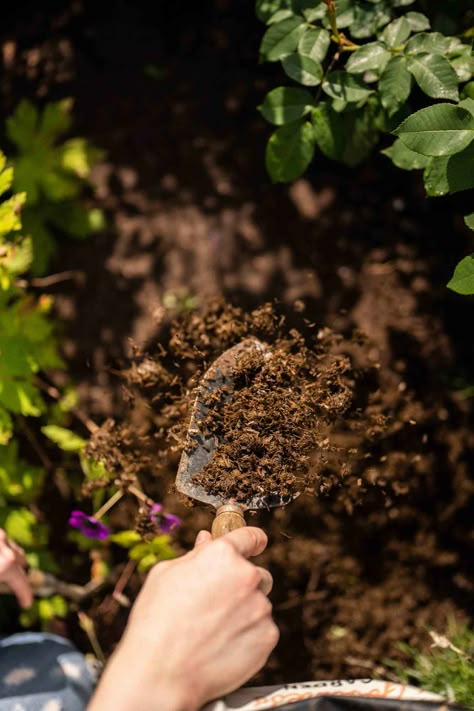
(200, 628)
(12, 570)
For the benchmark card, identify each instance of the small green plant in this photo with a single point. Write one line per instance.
(52, 173)
(447, 669)
(33, 414)
(361, 68)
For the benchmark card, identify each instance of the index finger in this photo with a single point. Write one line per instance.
(248, 541)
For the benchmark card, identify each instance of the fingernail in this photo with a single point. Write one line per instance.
(201, 537)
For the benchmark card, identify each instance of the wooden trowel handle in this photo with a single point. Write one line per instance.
(228, 518)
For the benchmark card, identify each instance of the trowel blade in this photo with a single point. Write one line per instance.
(201, 448)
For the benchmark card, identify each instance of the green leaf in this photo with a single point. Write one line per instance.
(21, 125)
(289, 151)
(279, 16)
(417, 21)
(126, 539)
(347, 137)
(395, 84)
(281, 38)
(314, 43)
(435, 76)
(396, 32)
(21, 526)
(433, 42)
(285, 104)
(266, 8)
(463, 66)
(404, 158)
(469, 220)
(369, 57)
(368, 19)
(450, 174)
(439, 130)
(303, 69)
(462, 281)
(66, 440)
(55, 120)
(6, 178)
(342, 85)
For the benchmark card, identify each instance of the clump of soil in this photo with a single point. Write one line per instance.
(274, 421)
(270, 418)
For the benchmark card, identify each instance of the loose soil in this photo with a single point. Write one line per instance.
(379, 546)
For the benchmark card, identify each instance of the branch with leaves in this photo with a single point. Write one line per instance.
(368, 63)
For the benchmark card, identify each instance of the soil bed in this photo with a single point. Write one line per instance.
(383, 549)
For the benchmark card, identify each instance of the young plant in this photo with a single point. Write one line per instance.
(53, 173)
(447, 669)
(360, 68)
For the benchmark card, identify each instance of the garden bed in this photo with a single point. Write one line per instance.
(382, 549)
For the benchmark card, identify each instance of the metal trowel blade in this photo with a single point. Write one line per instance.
(201, 447)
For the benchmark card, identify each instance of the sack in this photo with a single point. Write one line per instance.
(338, 695)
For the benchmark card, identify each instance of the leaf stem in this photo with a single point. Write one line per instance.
(108, 504)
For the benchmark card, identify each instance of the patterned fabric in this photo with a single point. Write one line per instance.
(43, 672)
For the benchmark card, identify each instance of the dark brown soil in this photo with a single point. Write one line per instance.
(380, 552)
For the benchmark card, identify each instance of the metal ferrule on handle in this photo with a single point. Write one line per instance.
(228, 518)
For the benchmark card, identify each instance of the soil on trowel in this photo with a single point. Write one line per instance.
(270, 416)
(275, 419)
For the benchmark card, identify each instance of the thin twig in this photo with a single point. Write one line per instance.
(56, 278)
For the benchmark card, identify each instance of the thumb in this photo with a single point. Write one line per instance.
(202, 537)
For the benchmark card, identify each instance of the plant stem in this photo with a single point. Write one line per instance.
(108, 504)
(88, 626)
(139, 494)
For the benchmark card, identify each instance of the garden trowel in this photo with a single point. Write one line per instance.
(200, 446)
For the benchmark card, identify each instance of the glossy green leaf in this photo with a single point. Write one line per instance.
(347, 137)
(279, 16)
(435, 76)
(289, 151)
(303, 69)
(395, 84)
(396, 32)
(66, 440)
(462, 281)
(450, 174)
(431, 42)
(281, 38)
(369, 57)
(368, 19)
(469, 220)
(285, 104)
(417, 21)
(404, 158)
(342, 85)
(463, 66)
(314, 43)
(439, 130)
(265, 9)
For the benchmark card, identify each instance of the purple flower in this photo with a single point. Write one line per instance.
(88, 525)
(165, 522)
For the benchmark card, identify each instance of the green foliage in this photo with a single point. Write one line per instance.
(53, 174)
(28, 348)
(364, 66)
(65, 439)
(147, 553)
(447, 669)
(462, 280)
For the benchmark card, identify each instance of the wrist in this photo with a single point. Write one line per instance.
(129, 683)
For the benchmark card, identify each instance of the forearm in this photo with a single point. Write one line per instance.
(128, 685)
